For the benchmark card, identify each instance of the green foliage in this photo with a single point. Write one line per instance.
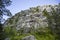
(3, 12)
(11, 21)
(45, 13)
(40, 34)
(13, 34)
(54, 20)
(34, 9)
(16, 20)
(43, 34)
(10, 32)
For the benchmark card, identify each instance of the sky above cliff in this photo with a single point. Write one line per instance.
(18, 5)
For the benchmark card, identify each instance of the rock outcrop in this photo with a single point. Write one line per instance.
(32, 17)
(31, 37)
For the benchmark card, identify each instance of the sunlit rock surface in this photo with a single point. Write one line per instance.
(32, 17)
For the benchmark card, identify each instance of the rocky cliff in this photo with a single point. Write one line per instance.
(29, 19)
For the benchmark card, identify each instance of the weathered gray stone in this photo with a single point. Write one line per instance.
(31, 37)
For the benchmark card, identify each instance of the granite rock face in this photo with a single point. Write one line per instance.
(32, 17)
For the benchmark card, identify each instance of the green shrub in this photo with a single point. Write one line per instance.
(40, 34)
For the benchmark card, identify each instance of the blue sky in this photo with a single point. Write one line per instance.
(18, 5)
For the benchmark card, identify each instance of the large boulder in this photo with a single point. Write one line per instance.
(31, 37)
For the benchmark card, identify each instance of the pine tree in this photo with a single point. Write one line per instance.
(3, 11)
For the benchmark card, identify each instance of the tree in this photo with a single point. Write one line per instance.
(3, 11)
(53, 19)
